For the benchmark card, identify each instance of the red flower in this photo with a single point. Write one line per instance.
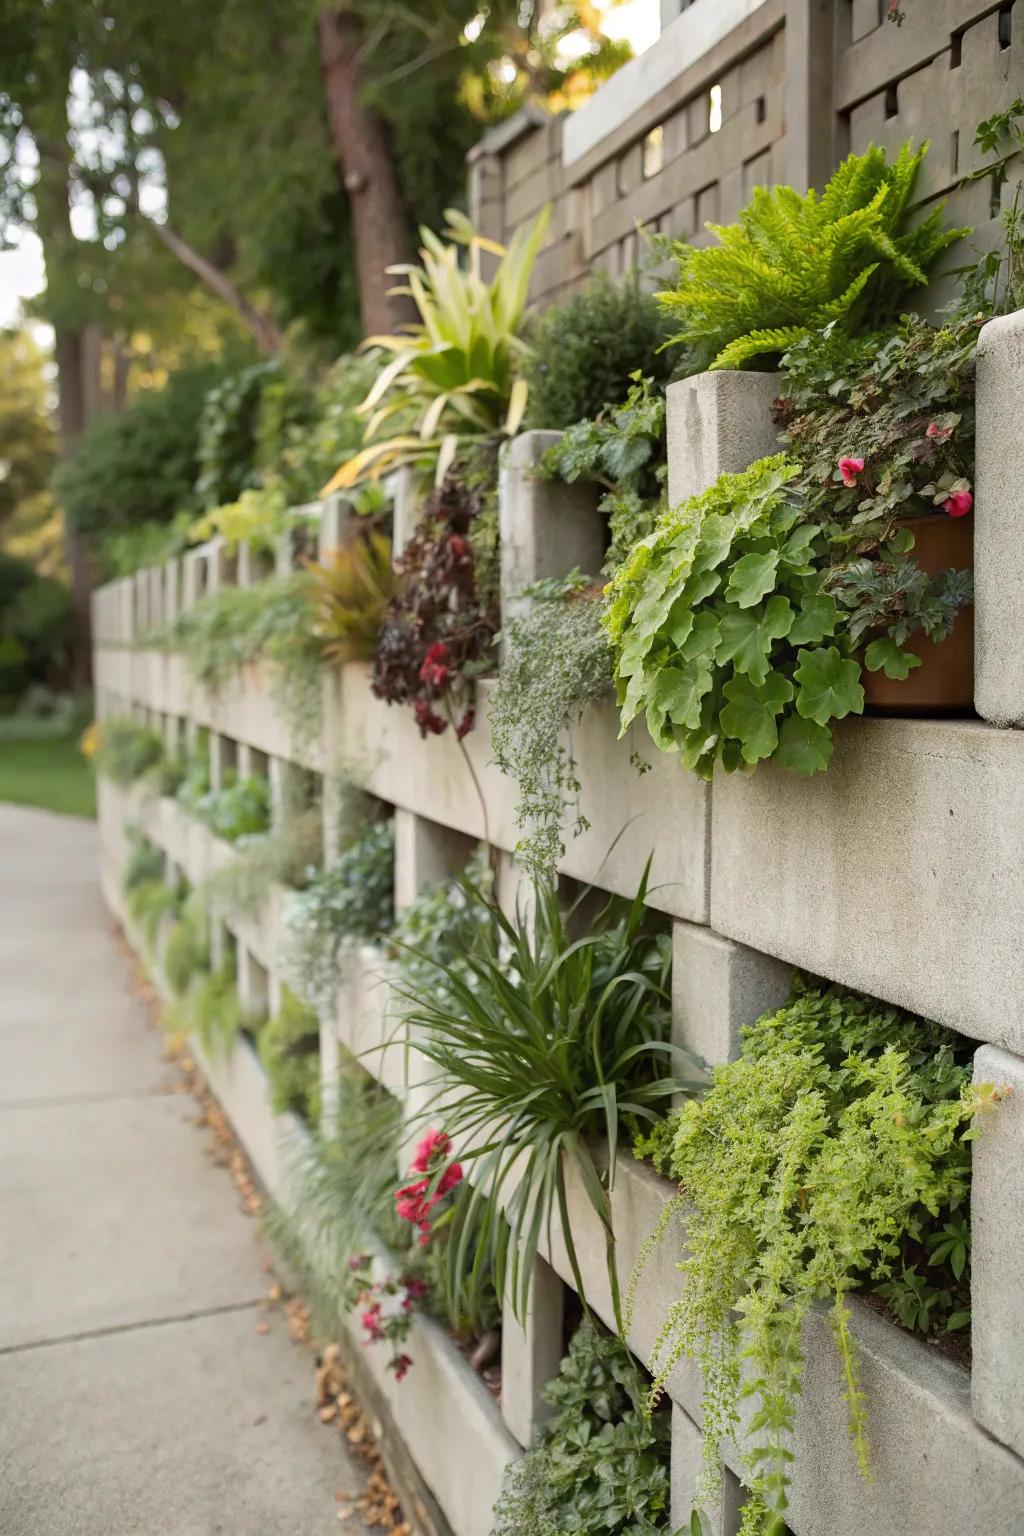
(371, 1324)
(458, 546)
(434, 1144)
(434, 669)
(959, 504)
(940, 434)
(466, 724)
(850, 469)
(415, 1290)
(430, 724)
(450, 1178)
(400, 1365)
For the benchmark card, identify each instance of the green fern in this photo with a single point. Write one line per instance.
(795, 263)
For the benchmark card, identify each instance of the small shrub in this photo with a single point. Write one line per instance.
(352, 900)
(127, 749)
(148, 901)
(212, 1011)
(349, 595)
(796, 262)
(187, 950)
(600, 1466)
(586, 351)
(144, 865)
(289, 1047)
(240, 808)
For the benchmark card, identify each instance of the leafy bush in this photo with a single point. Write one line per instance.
(547, 1044)
(349, 594)
(623, 449)
(127, 749)
(187, 950)
(352, 900)
(445, 927)
(288, 855)
(289, 1047)
(451, 378)
(586, 351)
(833, 1156)
(796, 262)
(35, 623)
(601, 1464)
(212, 1011)
(556, 662)
(439, 628)
(147, 902)
(240, 808)
(144, 864)
(228, 429)
(138, 467)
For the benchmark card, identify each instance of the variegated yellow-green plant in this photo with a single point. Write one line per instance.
(452, 374)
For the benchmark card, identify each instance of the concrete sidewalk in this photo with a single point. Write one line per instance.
(136, 1396)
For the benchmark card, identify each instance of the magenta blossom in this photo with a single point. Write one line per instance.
(959, 504)
(850, 468)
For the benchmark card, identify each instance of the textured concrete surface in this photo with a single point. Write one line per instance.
(547, 528)
(717, 987)
(997, 1255)
(998, 587)
(136, 1394)
(718, 423)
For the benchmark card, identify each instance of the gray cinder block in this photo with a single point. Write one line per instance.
(718, 423)
(547, 527)
(998, 551)
(718, 986)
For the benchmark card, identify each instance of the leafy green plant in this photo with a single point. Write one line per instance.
(600, 1466)
(834, 1156)
(287, 855)
(227, 436)
(240, 808)
(212, 1011)
(352, 900)
(187, 950)
(585, 352)
(451, 378)
(289, 1047)
(237, 625)
(622, 448)
(145, 862)
(349, 594)
(547, 1044)
(148, 902)
(556, 662)
(445, 927)
(127, 749)
(796, 262)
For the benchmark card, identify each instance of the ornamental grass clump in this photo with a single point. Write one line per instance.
(796, 262)
(549, 1045)
(600, 1465)
(833, 1157)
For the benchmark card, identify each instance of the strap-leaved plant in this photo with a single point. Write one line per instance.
(833, 1156)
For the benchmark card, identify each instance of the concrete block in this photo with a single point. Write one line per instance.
(898, 871)
(409, 492)
(997, 1256)
(531, 1352)
(998, 557)
(335, 513)
(717, 987)
(718, 423)
(254, 986)
(725, 1512)
(426, 854)
(547, 528)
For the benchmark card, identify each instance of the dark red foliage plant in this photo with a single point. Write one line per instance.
(440, 627)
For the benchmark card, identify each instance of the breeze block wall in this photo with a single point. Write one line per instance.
(742, 93)
(899, 872)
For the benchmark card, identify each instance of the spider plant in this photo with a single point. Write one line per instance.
(542, 1046)
(349, 592)
(451, 377)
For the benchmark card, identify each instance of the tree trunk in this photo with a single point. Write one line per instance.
(361, 146)
(69, 354)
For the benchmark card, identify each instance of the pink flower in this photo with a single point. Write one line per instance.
(940, 434)
(959, 504)
(434, 1144)
(434, 669)
(450, 1178)
(850, 469)
(371, 1324)
(400, 1365)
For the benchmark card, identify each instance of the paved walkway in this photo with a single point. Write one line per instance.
(136, 1396)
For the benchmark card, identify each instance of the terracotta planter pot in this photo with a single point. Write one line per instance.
(944, 682)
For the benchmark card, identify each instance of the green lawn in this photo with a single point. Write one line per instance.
(52, 775)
